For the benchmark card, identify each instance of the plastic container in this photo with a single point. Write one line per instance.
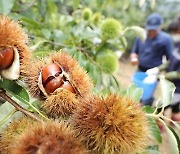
(148, 88)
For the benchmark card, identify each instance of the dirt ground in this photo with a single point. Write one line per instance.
(126, 70)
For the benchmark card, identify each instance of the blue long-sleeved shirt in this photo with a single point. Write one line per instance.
(151, 51)
(175, 65)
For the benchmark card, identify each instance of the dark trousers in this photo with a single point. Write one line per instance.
(175, 108)
(142, 69)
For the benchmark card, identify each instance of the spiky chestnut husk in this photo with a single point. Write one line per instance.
(108, 61)
(25, 55)
(32, 70)
(87, 13)
(111, 29)
(61, 102)
(96, 18)
(13, 36)
(77, 76)
(48, 138)
(12, 132)
(111, 125)
(11, 33)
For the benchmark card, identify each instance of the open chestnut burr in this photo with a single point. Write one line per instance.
(14, 52)
(60, 81)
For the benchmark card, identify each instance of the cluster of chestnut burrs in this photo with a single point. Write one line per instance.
(81, 122)
(58, 78)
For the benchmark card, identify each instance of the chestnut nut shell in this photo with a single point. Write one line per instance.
(6, 57)
(53, 84)
(50, 70)
(52, 79)
(66, 85)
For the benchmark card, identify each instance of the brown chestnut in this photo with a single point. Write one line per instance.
(53, 78)
(68, 86)
(50, 70)
(53, 84)
(6, 57)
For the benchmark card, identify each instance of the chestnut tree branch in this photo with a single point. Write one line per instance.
(17, 106)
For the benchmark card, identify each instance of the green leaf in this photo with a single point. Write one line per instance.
(149, 151)
(7, 117)
(141, 32)
(155, 131)
(59, 36)
(176, 136)
(141, 3)
(41, 53)
(30, 22)
(172, 75)
(153, 3)
(99, 3)
(105, 92)
(177, 125)
(173, 140)
(124, 42)
(125, 4)
(167, 91)
(46, 33)
(76, 4)
(96, 75)
(52, 8)
(134, 92)
(114, 82)
(6, 6)
(36, 104)
(153, 147)
(38, 43)
(158, 104)
(42, 7)
(14, 89)
(105, 80)
(148, 109)
(7, 114)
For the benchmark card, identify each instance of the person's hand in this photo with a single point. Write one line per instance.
(152, 71)
(134, 59)
(150, 79)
